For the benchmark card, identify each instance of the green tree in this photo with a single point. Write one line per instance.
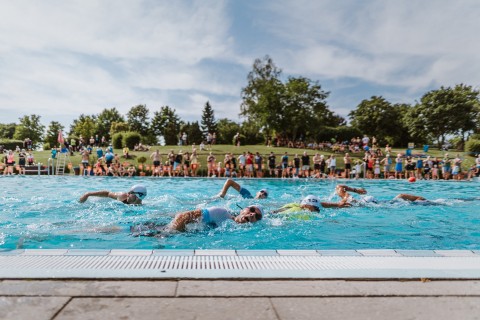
(52, 133)
(193, 131)
(378, 117)
(166, 123)
(208, 123)
(7, 130)
(252, 132)
(83, 127)
(29, 127)
(137, 119)
(104, 122)
(117, 127)
(262, 97)
(444, 112)
(227, 129)
(304, 109)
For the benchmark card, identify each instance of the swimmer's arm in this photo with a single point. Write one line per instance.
(340, 204)
(356, 190)
(229, 183)
(409, 197)
(182, 219)
(102, 194)
(280, 210)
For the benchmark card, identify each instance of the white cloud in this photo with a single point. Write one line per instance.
(89, 55)
(407, 43)
(62, 58)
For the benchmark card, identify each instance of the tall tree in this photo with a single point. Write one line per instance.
(193, 131)
(166, 123)
(83, 127)
(29, 127)
(227, 129)
(378, 117)
(7, 130)
(52, 133)
(304, 109)
(137, 119)
(208, 123)
(104, 121)
(262, 97)
(443, 112)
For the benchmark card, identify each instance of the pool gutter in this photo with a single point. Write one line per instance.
(239, 264)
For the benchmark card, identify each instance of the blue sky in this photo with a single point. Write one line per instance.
(59, 59)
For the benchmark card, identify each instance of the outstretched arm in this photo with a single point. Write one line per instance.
(341, 204)
(343, 189)
(229, 183)
(182, 219)
(102, 194)
(409, 197)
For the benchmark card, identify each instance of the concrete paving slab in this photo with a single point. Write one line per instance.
(257, 252)
(87, 252)
(339, 253)
(45, 252)
(379, 252)
(298, 252)
(130, 252)
(326, 288)
(215, 253)
(456, 253)
(464, 308)
(88, 288)
(418, 253)
(167, 252)
(37, 308)
(168, 308)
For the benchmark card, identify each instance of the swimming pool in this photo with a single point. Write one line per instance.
(44, 213)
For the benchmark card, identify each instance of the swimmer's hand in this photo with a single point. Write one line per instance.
(361, 191)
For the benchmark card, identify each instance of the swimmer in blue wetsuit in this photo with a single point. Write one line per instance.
(262, 194)
(212, 217)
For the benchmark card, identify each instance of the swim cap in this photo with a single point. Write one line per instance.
(311, 200)
(368, 199)
(412, 179)
(265, 192)
(260, 208)
(139, 190)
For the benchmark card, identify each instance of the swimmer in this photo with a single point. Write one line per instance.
(134, 196)
(212, 217)
(348, 200)
(309, 203)
(262, 194)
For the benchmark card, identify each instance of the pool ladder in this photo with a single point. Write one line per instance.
(61, 161)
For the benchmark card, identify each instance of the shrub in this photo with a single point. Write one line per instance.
(130, 139)
(117, 140)
(46, 146)
(473, 147)
(10, 144)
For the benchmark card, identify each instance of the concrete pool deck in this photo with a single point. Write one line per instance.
(229, 284)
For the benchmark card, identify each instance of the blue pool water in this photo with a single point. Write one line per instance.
(44, 212)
